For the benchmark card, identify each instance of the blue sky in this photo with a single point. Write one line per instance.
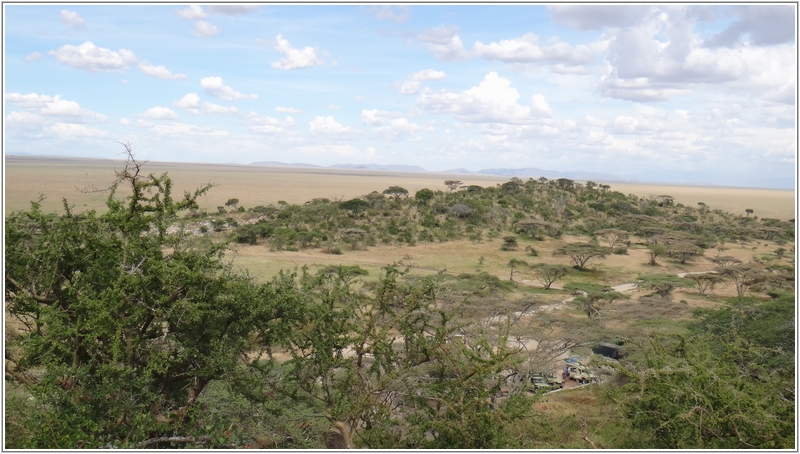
(670, 93)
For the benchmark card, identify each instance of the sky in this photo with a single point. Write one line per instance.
(668, 93)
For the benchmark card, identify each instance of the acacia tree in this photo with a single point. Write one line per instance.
(509, 243)
(232, 203)
(593, 297)
(549, 274)
(533, 227)
(613, 236)
(345, 273)
(402, 377)
(653, 251)
(396, 192)
(697, 393)
(355, 205)
(123, 326)
(452, 185)
(662, 284)
(724, 261)
(744, 276)
(514, 264)
(581, 253)
(705, 281)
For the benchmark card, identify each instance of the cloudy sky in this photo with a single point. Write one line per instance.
(669, 93)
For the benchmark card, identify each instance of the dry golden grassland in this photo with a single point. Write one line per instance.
(26, 177)
(462, 256)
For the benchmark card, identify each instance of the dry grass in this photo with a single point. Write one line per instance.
(766, 203)
(26, 177)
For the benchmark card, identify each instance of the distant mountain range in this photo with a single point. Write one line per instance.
(523, 172)
(386, 168)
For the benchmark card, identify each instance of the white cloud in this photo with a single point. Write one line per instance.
(594, 121)
(625, 125)
(540, 107)
(216, 88)
(326, 125)
(662, 56)
(192, 12)
(182, 129)
(33, 56)
(333, 107)
(392, 13)
(527, 49)
(124, 122)
(72, 19)
(269, 125)
(89, 57)
(159, 72)
(444, 43)
(71, 130)
(493, 101)
(205, 29)
(211, 108)
(377, 117)
(189, 101)
(23, 120)
(294, 58)
(60, 107)
(393, 125)
(160, 113)
(233, 10)
(55, 107)
(784, 94)
(288, 110)
(413, 81)
(29, 101)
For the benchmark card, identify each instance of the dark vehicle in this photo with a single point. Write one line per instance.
(609, 350)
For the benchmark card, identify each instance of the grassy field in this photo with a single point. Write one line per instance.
(27, 177)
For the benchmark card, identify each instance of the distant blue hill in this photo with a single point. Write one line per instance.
(527, 172)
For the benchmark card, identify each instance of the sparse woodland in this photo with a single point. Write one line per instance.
(132, 329)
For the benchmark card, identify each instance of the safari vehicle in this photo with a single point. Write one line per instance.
(579, 373)
(545, 382)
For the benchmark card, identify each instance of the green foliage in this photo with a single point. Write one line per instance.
(424, 196)
(663, 284)
(581, 253)
(549, 274)
(509, 243)
(400, 363)
(396, 191)
(593, 297)
(697, 394)
(124, 325)
(654, 250)
(355, 205)
(345, 273)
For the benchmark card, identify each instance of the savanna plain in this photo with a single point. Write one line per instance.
(309, 308)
